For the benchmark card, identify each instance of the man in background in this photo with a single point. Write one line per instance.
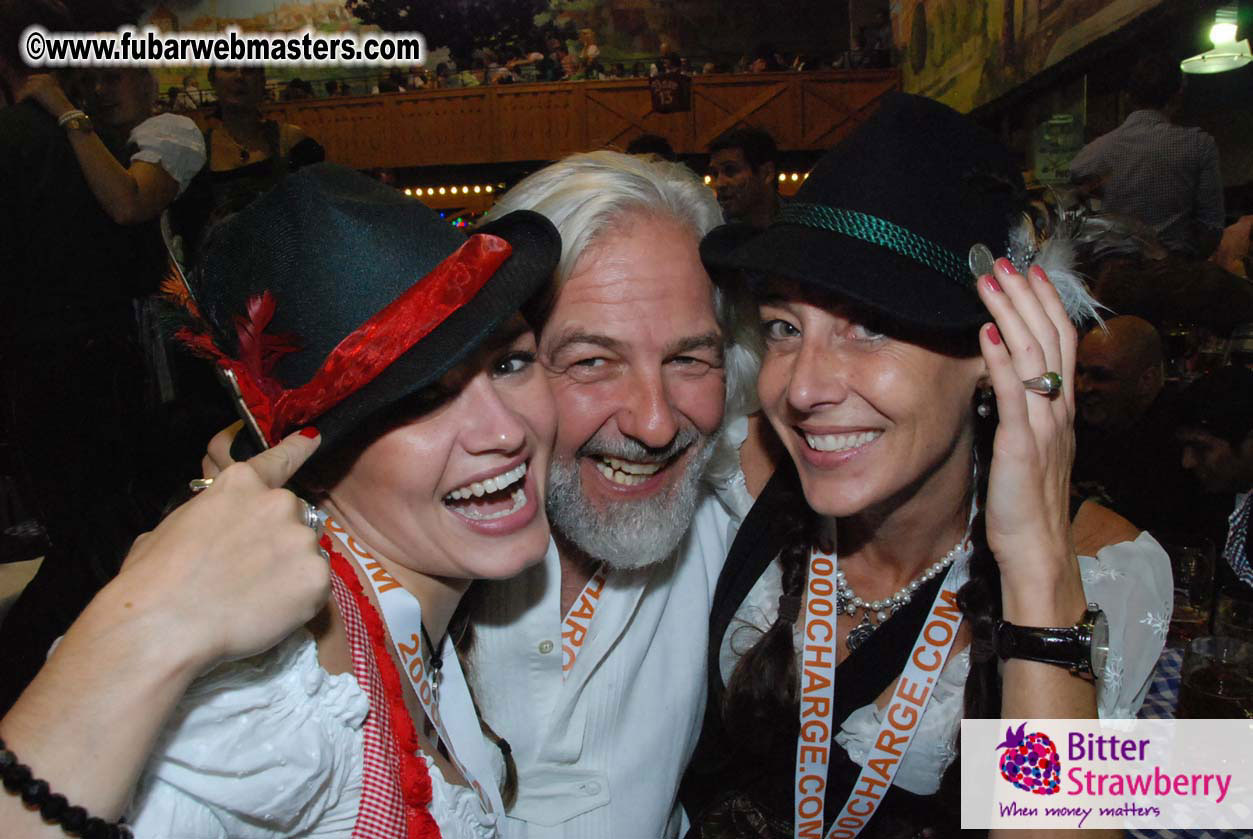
(1119, 373)
(744, 166)
(1216, 431)
(652, 144)
(1126, 452)
(1161, 173)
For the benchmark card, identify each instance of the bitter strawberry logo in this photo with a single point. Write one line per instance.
(1030, 762)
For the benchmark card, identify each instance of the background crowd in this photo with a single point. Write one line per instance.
(551, 56)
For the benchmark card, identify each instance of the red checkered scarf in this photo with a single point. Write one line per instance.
(395, 787)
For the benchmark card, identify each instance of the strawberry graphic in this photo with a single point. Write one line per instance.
(1030, 762)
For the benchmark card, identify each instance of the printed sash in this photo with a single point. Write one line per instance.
(578, 620)
(900, 720)
(447, 704)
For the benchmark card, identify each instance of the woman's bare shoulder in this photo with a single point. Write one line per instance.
(1096, 527)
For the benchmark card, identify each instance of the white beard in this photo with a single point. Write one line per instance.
(628, 534)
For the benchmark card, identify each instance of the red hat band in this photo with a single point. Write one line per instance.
(363, 354)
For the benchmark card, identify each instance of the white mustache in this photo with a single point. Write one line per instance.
(626, 448)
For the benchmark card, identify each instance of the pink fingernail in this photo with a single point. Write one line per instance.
(1005, 266)
(1039, 274)
(309, 432)
(994, 334)
(991, 283)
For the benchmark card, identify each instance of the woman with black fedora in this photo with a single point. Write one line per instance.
(911, 562)
(230, 683)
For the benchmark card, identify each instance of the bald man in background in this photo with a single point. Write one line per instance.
(1119, 374)
(1126, 452)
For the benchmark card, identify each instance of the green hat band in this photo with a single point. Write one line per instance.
(879, 232)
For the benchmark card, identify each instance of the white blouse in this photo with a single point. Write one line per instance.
(1130, 580)
(272, 746)
(172, 142)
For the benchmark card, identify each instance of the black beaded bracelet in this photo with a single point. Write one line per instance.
(36, 794)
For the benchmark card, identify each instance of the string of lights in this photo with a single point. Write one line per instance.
(783, 176)
(477, 189)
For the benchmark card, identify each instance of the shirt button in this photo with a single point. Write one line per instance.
(545, 647)
(591, 788)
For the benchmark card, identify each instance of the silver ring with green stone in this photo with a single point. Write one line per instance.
(1050, 384)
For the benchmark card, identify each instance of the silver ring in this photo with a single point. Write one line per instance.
(311, 515)
(199, 484)
(1050, 384)
(325, 554)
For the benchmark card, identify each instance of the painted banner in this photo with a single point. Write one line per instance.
(967, 53)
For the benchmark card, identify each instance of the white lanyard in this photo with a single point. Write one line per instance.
(900, 720)
(578, 621)
(455, 722)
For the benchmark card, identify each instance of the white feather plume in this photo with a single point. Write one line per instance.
(1054, 254)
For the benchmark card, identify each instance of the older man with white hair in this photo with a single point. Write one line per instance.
(592, 664)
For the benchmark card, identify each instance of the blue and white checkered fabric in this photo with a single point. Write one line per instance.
(1237, 552)
(1159, 704)
(1163, 695)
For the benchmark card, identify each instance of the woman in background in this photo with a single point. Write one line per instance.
(247, 155)
(165, 151)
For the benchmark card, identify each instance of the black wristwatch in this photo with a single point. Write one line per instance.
(1081, 648)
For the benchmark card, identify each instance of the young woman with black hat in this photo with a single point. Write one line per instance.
(347, 316)
(915, 539)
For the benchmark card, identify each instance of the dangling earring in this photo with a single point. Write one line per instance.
(984, 408)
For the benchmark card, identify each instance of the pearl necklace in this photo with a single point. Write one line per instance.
(849, 602)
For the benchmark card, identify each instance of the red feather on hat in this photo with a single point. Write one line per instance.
(258, 351)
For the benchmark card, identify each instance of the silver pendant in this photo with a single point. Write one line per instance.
(859, 633)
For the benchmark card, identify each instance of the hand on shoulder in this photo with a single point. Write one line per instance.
(44, 89)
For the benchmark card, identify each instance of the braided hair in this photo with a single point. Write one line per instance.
(762, 693)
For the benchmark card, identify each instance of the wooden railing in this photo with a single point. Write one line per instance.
(522, 122)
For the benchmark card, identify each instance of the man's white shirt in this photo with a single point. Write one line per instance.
(600, 752)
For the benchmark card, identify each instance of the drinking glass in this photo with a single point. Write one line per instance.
(1233, 614)
(1192, 563)
(1217, 680)
(1181, 342)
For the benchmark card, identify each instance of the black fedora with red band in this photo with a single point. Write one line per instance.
(333, 297)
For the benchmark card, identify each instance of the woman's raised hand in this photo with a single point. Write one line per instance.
(1027, 515)
(236, 568)
(44, 89)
